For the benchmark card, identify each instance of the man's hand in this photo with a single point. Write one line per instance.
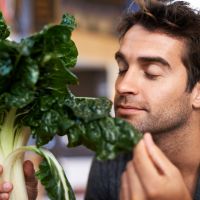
(151, 176)
(31, 183)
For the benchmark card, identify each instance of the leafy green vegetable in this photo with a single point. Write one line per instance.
(35, 99)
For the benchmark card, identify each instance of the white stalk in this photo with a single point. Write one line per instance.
(21, 137)
(13, 165)
(13, 172)
(7, 133)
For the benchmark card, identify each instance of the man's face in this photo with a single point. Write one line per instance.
(150, 91)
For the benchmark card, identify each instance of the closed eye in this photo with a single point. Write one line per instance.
(122, 63)
(121, 72)
(151, 76)
(122, 66)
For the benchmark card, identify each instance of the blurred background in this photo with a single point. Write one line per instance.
(97, 42)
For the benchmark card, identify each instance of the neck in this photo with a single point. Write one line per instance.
(182, 148)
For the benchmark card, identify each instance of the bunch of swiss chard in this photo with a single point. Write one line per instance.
(35, 100)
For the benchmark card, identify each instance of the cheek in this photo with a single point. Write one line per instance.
(165, 94)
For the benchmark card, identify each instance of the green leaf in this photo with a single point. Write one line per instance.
(53, 178)
(108, 136)
(55, 76)
(89, 109)
(4, 32)
(18, 97)
(69, 21)
(8, 51)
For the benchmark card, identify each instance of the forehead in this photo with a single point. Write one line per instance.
(138, 41)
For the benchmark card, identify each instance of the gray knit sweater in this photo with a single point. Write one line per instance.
(104, 179)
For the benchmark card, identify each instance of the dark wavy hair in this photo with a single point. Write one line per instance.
(176, 19)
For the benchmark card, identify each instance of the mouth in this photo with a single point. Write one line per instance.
(122, 110)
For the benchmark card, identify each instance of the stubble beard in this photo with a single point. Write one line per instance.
(166, 120)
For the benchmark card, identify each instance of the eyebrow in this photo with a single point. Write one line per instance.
(158, 59)
(144, 59)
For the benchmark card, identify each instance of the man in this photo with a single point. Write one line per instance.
(158, 91)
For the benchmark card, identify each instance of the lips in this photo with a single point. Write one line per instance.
(122, 109)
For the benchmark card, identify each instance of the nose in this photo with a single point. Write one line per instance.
(127, 83)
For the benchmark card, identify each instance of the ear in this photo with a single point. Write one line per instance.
(196, 95)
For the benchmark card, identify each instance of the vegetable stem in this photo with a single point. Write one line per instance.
(14, 173)
(7, 133)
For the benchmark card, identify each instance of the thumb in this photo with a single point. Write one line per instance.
(30, 179)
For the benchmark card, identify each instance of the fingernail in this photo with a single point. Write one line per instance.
(7, 186)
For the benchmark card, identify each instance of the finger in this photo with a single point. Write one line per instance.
(31, 181)
(135, 186)
(145, 168)
(159, 159)
(28, 168)
(124, 188)
(6, 187)
(143, 164)
(29, 173)
(4, 196)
